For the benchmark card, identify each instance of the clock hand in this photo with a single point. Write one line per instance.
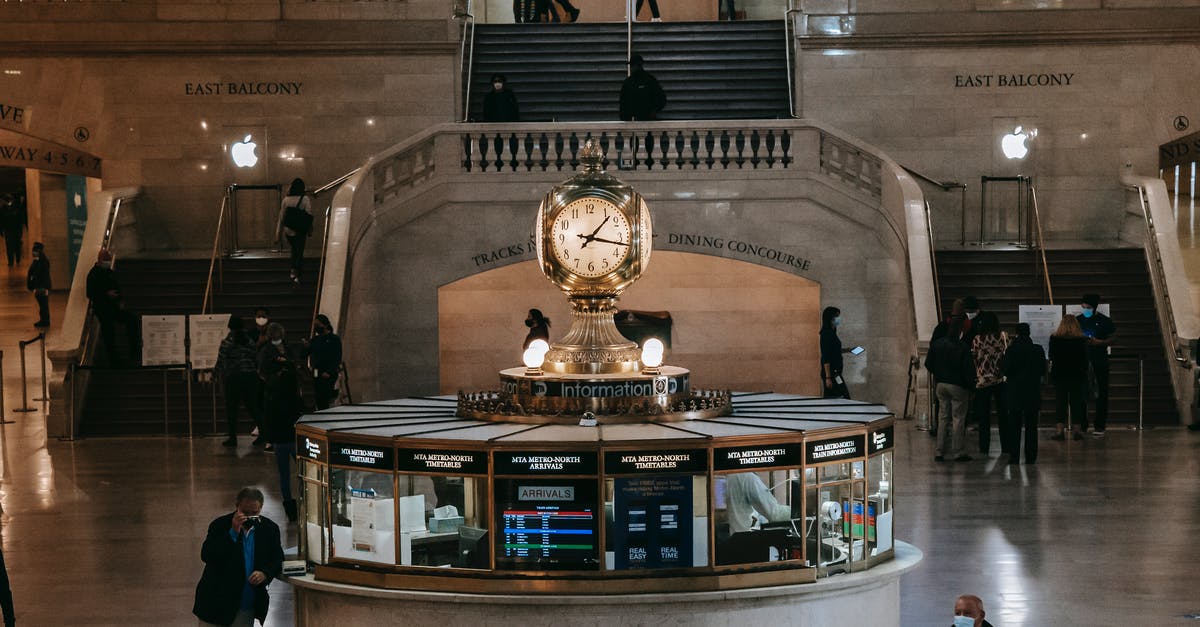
(587, 239)
(608, 241)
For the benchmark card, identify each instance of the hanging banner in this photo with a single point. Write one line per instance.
(18, 150)
(76, 217)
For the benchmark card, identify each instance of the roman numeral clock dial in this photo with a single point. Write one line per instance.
(590, 237)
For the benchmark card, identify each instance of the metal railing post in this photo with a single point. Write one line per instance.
(1141, 390)
(24, 385)
(188, 373)
(166, 416)
(45, 391)
(3, 420)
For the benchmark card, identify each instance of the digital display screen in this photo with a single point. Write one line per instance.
(547, 524)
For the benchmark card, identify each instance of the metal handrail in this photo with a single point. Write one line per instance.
(215, 258)
(937, 288)
(466, 58)
(1160, 275)
(330, 186)
(787, 53)
(1041, 242)
(946, 186)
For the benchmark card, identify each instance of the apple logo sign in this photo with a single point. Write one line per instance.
(243, 153)
(1013, 144)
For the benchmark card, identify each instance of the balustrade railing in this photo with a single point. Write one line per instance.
(853, 166)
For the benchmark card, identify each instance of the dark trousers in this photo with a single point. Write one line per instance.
(43, 300)
(296, 242)
(284, 452)
(12, 245)
(653, 8)
(730, 12)
(1071, 396)
(1100, 367)
(109, 318)
(837, 390)
(244, 389)
(982, 408)
(1010, 434)
(325, 390)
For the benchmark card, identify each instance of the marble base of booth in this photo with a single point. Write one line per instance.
(870, 597)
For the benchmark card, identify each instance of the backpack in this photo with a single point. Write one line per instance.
(297, 219)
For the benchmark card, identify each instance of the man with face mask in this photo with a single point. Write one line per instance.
(500, 104)
(968, 612)
(1100, 331)
(971, 311)
(104, 291)
(38, 282)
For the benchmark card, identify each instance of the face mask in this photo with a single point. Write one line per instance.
(964, 621)
(971, 316)
(1088, 313)
(262, 322)
(276, 342)
(105, 264)
(837, 321)
(498, 86)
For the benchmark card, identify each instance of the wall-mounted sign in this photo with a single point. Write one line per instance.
(310, 448)
(654, 462)
(1181, 151)
(838, 449)
(512, 251)
(14, 116)
(18, 150)
(360, 456)
(656, 386)
(436, 460)
(205, 332)
(761, 456)
(545, 462)
(881, 439)
(243, 88)
(757, 253)
(1017, 79)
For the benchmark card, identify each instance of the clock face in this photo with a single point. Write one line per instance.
(590, 237)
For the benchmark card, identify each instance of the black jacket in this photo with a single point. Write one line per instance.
(1023, 365)
(219, 593)
(641, 97)
(831, 352)
(38, 277)
(950, 361)
(501, 106)
(325, 353)
(1068, 359)
(99, 281)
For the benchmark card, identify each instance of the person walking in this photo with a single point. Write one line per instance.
(655, 15)
(325, 359)
(104, 292)
(539, 328)
(832, 383)
(236, 363)
(1068, 370)
(1023, 366)
(13, 222)
(950, 362)
(295, 224)
(1100, 332)
(282, 406)
(242, 554)
(500, 104)
(38, 282)
(641, 95)
(987, 348)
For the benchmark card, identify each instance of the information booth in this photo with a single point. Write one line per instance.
(781, 489)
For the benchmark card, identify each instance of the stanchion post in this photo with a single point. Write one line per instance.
(71, 396)
(1141, 389)
(45, 392)
(188, 373)
(24, 388)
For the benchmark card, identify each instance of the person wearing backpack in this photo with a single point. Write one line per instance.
(295, 223)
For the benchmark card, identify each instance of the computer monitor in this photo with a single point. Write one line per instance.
(473, 548)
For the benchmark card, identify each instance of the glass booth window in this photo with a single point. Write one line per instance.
(879, 503)
(758, 516)
(313, 501)
(363, 514)
(443, 521)
(656, 521)
(836, 517)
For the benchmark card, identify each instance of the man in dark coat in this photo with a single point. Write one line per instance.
(968, 610)
(500, 104)
(38, 282)
(104, 291)
(325, 359)
(950, 363)
(242, 554)
(13, 222)
(641, 95)
(1023, 366)
(1100, 331)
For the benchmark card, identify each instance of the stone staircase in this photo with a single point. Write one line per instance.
(573, 72)
(135, 401)
(1004, 279)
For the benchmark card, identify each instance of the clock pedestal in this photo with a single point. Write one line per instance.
(593, 345)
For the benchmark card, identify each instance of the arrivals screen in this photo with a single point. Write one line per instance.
(546, 524)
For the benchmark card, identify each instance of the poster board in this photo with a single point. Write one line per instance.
(1042, 321)
(163, 340)
(205, 332)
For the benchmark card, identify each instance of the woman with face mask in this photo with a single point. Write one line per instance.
(325, 359)
(282, 406)
(539, 327)
(832, 383)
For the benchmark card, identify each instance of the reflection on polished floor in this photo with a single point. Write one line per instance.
(108, 531)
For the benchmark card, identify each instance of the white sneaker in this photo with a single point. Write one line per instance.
(1097, 434)
(656, 19)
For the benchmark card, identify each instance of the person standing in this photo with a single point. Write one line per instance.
(282, 406)
(641, 95)
(38, 282)
(104, 291)
(325, 359)
(987, 348)
(1023, 366)
(13, 222)
(1100, 332)
(832, 383)
(6, 598)
(950, 362)
(239, 378)
(242, 554)
(655, 16)
(295, 224)
(1068, 370)
(539, 328)
(500, 104)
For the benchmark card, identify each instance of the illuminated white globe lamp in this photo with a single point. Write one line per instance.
(652, 356)
(533, 358)
(540, 344)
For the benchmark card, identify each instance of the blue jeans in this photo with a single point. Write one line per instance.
(284, 452)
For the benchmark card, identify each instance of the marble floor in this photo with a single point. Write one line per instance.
(108, 531)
